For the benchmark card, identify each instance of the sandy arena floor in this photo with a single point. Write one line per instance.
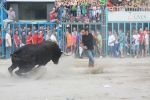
(121, 79)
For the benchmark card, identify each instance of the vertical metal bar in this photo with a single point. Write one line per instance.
(124, 39)
(106, 31)
(13, 36)
(32, 28)
(112, 28)
(131, 46)
(149, 39)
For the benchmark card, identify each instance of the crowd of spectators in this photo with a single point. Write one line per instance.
(128, 5)
(138, 42)
(84, 11)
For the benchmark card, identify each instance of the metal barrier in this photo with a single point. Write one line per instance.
(123, 8)
(126, 27)
(61, 32)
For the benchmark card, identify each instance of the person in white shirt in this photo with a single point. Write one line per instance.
(53, 36)
(146, 43)
(47, 36)
(111, 40)
(8, 44)
(136, 38)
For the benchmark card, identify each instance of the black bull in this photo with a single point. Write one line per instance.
(27, 57)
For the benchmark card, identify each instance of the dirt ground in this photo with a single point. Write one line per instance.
(117, 79)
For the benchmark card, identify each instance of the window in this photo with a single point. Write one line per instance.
(32, 11)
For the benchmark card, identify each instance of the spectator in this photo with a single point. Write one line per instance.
(74, 38)
(111, 40)
(86, 19)
(40, 37)
(146, 43)
(141, 42)
(23, 39)
(80, 48)
(98, 12)
(127, 43)
(69, 42)
(83, 7)
(136, 38)
(16, 41)
(35, 37)
(72, 18)
(99, 37)
(94, 11)
(53, 36)
(64, 14)
(73, 9)
(11, 17)
(116, 44)
(67, 18)
(29, 38)
(48, 36)
(8, 43)
(53, 16)
(121, 41)
(78, 9)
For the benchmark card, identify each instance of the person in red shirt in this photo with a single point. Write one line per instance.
(29, 38)
(142, 35)
(16, 41)
(40, 37)
(35, 37)
(53, 18)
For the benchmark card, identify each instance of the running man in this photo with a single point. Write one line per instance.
(87, 40)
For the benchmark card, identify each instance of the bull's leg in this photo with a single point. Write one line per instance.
(18, 72)
(11, 68)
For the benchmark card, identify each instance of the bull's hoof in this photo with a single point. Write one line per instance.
(10, 71)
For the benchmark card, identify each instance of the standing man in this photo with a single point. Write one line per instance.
(11, 17)
(40, 37)
(8, 43)
(29, 38)
(87, 40)
(99, 36)
(23, 39)
(122, 43)
(35, 37)
(111, 40)
(146, 43)
(16, 41)
(136, 39)
(141, 42)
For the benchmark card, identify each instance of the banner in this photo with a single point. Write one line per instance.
(123, 16)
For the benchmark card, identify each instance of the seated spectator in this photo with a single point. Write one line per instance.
(64, 14)
(72, 18)
(40, 37)
(78, 18)
(16, 41)
(29, 38)
(35, 37)
(78, 9)
(98, 12)
(94, 11)
(53, 16)
(86, 19)
(23, 39)
(11, 17)
(67, 18)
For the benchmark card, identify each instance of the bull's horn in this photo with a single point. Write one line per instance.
(66, 53)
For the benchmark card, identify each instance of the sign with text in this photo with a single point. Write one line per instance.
(129, 16)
